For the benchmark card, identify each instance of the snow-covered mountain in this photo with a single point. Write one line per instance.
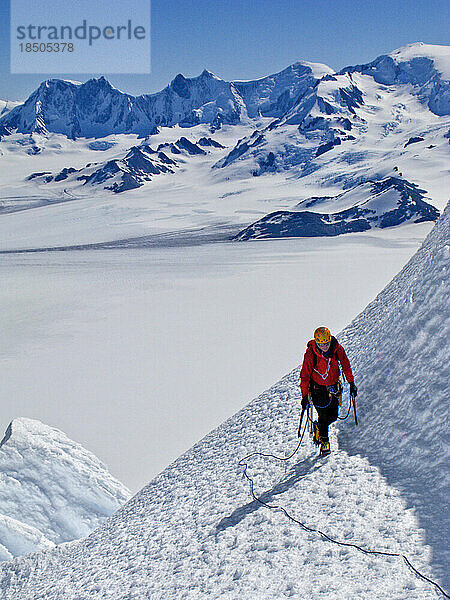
(96, 108)
(139, 165)
(424, 66)
(194, 532)
(273, 95)
(386, 203)
(118, 175)
(52, 490)
(341, 114)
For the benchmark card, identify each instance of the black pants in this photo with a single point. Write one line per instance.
(327, 406)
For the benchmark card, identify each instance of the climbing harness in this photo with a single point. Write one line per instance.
(328, 359)
(243, 463)
(334, 391)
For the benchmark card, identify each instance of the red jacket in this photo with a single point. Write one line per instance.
(326, 370)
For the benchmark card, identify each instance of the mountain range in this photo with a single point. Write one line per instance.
(96, 108)
(304, 132)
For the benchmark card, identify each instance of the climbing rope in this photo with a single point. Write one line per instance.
(244, 464)
(350, 402)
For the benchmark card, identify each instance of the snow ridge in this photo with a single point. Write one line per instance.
(52, 490)
(403, 358)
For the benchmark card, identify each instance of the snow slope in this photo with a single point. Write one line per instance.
(193, 532)
(52, 490)
(403, 357)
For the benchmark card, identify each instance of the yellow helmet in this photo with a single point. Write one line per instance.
(322, 335)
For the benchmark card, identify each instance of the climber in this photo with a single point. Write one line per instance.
(320, 384)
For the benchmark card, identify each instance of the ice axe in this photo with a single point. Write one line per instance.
(354, 408)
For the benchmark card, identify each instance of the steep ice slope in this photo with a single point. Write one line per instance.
(403, 363)
(193, 533)
(52, 490)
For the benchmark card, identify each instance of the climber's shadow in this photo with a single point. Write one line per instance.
(295, 474)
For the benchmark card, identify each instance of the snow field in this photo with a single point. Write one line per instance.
(227, 321)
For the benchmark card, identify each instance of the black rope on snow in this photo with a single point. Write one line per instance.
(243, 463)
(348, 411)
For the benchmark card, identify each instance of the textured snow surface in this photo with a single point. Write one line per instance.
(194, 533)
(52, 490)
(403, 357)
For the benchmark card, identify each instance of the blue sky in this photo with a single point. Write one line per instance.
(243, 39)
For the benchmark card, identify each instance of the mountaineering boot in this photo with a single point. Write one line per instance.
(324, 448)
(316, 436)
